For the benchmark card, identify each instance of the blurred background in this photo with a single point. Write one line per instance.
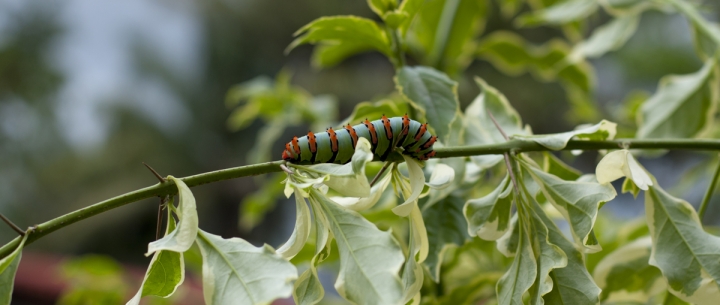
(91, 89)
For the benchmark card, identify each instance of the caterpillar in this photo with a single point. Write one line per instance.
(338, 146)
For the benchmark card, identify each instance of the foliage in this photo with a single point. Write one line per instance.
(466, 229)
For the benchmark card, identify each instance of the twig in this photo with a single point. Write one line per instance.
(709, 193)
(162, 180)
(12, 225)
(506, 156)
(382, 170)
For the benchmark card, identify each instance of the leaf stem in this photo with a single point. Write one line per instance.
(163, 189)
(709, 193)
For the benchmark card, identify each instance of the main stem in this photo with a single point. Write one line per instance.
(162, 189)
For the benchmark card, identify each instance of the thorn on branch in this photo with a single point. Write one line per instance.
(507, 158)
(12, 225)
(286, 169)
(158, 176)
(382, 170)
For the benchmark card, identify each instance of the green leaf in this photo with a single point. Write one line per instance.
(605, 130)
(370, 259)
(446, 228)
(687, 255)
(380, 7)
(181, 238)
(522, 273)
(364, 203)
(8, 268)
(441, 177)
(308, 289)
(442, 34)
(706, 41)
(508, 243)
(489, 217)
(572, 284)
(629, 186)
(254, 207)
(683, 105)
(629, 7)
(340, 37)
(625, 275)
(302, 229)
(559, 14)
(555, 166)
(549, 258)
(481, 130)
(606, 38)
(166, 271)
(578, 202)
(236, 272)
(412, 277)
(433, 94)
(369, 110)
(621, 163)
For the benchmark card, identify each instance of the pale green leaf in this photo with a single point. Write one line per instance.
(165, 273)
(441, 177)
(433, 94)
(559, 14)
(629, 186)
(683, 105)
(302, 229)
(254, 207)
(182, 238)
(446, 228)
(707, 40)
(508, 243)
(483, 131)
(625, 275)
(369, 110)
(8, 268)
(412, 277)
(629, 7)
(572, 285)
(370, 259)
(489, 217)
(308, 289)
(578, 202)
(236, 272)
(606, 38)
(346, 179)
(522, 273)
(621, 163)
(687, 255)
(555, 166)
(605, 130)
(549, 258)
(364, 203)
(342, 36)
(417, 182)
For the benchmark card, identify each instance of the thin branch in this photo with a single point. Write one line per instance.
(12, 225)
(382, 170)
(506, 156)
(273, 167)
(709, 192)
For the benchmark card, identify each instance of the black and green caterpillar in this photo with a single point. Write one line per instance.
(384, 134)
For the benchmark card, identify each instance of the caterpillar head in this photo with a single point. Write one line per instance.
(287, 154)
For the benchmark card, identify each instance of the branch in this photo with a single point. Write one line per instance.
(162, 189)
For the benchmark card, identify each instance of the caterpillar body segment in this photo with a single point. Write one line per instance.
(338, 146)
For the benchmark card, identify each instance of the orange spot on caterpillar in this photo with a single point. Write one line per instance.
(333, 140)
(311, 140)
(373, 133)
(388, 128)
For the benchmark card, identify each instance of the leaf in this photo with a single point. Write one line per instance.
(522, 273)
(687, 255)
(347, 179)
(559, 14)
(572, 284)
(682, 107)
(165, 273)
(555, 166)
(621, 163)
(302, 229)
(433, 94)
(578, 202)
(481, 129)
(181, 238)
(625, 275)
(629, 7)
(508, 243)
(605, 130)
(445, 228)
(308, 289)
(359, 203)
(254, 207)
(706, 41)
(606, 38)
(236, 272)
(412, 277)
(340, 37)
(489, 217)
(8, 268)
(442, 34)
(417, 182)
(370, 259)
(380, 7)
(442, 176)
(549, 258)
(388, 107)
